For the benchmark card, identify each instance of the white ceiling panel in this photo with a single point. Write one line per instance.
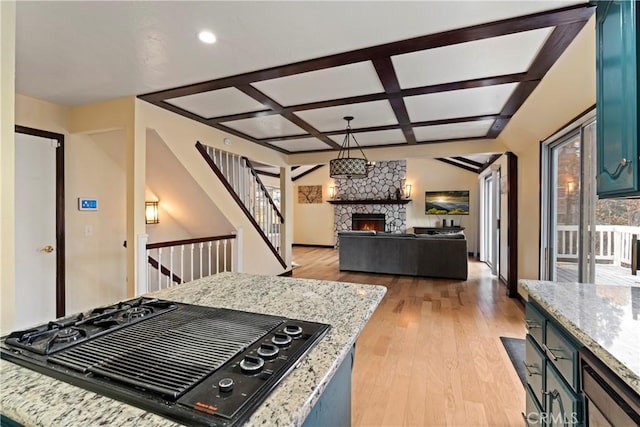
(265, 126)
(458, 103)
(382, 137)
(508, 54)
(215, 103)
(375, 113)
(75, 53)
(331, 83)
(304, 144)
(452, 131)
(480, 158)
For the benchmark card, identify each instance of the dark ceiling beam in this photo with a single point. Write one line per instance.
(559, 17)
(265, 100)
(470, 162)
(421, 124)
(489, 162)
(389, 79)
(197, 118)
(403, 144)
(423, 90)
(458, 165)
(307, 172)
(555, 45)
(391, 127)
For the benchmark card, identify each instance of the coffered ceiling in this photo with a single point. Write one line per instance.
(283, 74)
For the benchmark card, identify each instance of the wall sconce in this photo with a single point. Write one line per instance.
(332, 192)
(151, 213)
(407, 191)
(570, 187)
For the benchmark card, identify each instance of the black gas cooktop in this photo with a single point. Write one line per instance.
(193, 364)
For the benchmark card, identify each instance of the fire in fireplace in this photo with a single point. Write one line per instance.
(368, 222)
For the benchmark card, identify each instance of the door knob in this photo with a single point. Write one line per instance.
(48, 249)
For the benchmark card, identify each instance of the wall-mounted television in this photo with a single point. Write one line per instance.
(446, 202)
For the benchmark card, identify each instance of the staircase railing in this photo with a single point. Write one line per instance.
(245, 186)
(174, 262)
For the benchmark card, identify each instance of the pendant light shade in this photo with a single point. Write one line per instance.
(345, 166)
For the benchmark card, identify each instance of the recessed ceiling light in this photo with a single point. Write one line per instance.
(207, 37)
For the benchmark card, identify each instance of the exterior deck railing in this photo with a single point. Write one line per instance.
(613, 243)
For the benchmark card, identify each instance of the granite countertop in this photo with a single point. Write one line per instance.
(38, 400)
(604, 318)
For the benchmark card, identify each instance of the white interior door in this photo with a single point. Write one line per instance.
(35, 210)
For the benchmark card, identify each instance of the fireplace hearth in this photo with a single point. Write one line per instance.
(374, 222)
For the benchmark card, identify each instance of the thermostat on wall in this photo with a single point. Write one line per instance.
(86, 204)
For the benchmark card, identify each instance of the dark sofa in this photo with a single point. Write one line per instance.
(440, 255)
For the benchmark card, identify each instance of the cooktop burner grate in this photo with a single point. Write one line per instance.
(169, 354)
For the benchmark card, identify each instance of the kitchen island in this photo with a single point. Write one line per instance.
(31, 398)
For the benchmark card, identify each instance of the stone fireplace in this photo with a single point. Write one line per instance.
(362, 221)
(378, 189)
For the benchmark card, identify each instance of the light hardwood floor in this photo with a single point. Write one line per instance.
(431, 354)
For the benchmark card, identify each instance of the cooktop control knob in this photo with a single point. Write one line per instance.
(251, 364)
(293, 330)
(267, 351)
(225, 385)
(281, 340)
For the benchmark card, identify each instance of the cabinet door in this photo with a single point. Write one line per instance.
(617, 95)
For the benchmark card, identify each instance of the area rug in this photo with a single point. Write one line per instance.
(515, 350)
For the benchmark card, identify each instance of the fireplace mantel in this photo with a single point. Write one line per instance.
(370, 202)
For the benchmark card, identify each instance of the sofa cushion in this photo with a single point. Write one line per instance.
(358, 232)
(442, 236)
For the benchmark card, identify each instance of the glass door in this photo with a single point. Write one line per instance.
(487, 188)
(584, 239)
(564, 237)
(490, 226)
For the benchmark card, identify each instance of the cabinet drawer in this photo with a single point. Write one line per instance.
(535, 322)
(563, 405)
(533, 414)
(534, 365)
(563, 354)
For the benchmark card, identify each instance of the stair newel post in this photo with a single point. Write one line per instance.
(191, 259)
(209, 256)
(182, 261)
(159, 272)
(200, 251)
(143, 273)
(170, 278)
(217, 256)
(238, 246)
(224, 250)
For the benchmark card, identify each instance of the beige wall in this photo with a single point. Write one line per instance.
(7, 164)
(96, 260)
(313, 222)
(94, 167)
(180, 135)
(567, 90)
(433, 175)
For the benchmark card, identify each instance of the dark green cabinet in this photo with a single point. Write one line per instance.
(551, 361)
(617, 42)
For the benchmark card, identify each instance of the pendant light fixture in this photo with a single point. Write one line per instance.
(345, 166)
